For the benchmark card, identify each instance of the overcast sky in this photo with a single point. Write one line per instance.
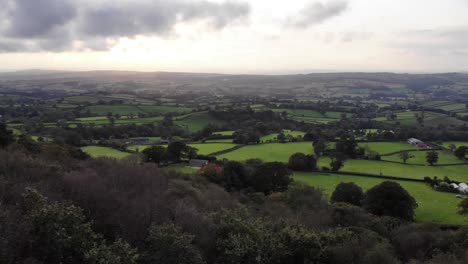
(243, 36)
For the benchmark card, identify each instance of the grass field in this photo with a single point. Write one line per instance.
(430, 119)
(102, 120)
(197, 121)
(126, 109)
(456, 143)
(269, 152)
(203, 148)
(433, 207)
(286, 132)
(457, 172)
(311, 116)
(387, 147)
(163, 109)
(96, 152)
(219, 141)
(102, 110)
(419, 157)
(224, 133)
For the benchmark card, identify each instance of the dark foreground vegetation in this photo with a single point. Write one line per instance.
(58, 206)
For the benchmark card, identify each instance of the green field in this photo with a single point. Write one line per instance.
(208, 148)
(102, 120)
(102, 110)
(387, 147)
(430, 119)
(219, 141)
(96, 152)
(310, 116)
(419, 157)
(164, 109)
(269, 152)
(197, 121)
(203, 148)
(433, 207)
(457, 172)
(456, 143)
(224, 133)
(286, 133)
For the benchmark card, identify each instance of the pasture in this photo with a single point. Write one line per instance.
(419, 157)
(203, 148)
(430, 118)
(433, 207)
(286, 133)
(310, 116)
(197, 121)
(387, 147)
(224, 133)
(268, 152)
(456, 172)
(126, 109)
(97, 152)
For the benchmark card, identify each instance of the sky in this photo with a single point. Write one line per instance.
(235, 36)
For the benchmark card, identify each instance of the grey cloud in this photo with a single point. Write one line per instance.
(56, 25)
(316, 13)
(35, 18)
(157, 17)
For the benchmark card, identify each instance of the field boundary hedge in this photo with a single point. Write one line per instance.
(221, 152)
(369, 175)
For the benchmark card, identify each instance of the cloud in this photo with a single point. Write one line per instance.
(317, 13)
(57, 25)
(433, 42)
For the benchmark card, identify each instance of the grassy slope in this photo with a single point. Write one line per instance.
(434, 207)
(269, 152)
(96, 152)
(387, 147)
(419, 157)
(203, 149)
(286, 132)
(196, 122)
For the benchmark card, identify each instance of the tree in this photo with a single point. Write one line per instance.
(179, 150)
(6, 136)
(347, 193)
(319, 147)
(300, 161)
(270, 177)
(390, 199)
(452, 147)
(281, 137)
(463, 206)
(337, 161)
(235, 175)
(460, 152)
(168, 244)
(156, 154)
(432, 157)
(405, 155)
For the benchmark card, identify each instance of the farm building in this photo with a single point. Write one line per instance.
(197, 163)
(417, 142)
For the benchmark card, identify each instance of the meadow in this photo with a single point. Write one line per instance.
(203, 148)
(419, 157)
(456, 172)
(433, 207)
(285, 132)
(430, 118)
(97, 152)
(387, 147)
(197, 121)
(268, 152)
(126, 109)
